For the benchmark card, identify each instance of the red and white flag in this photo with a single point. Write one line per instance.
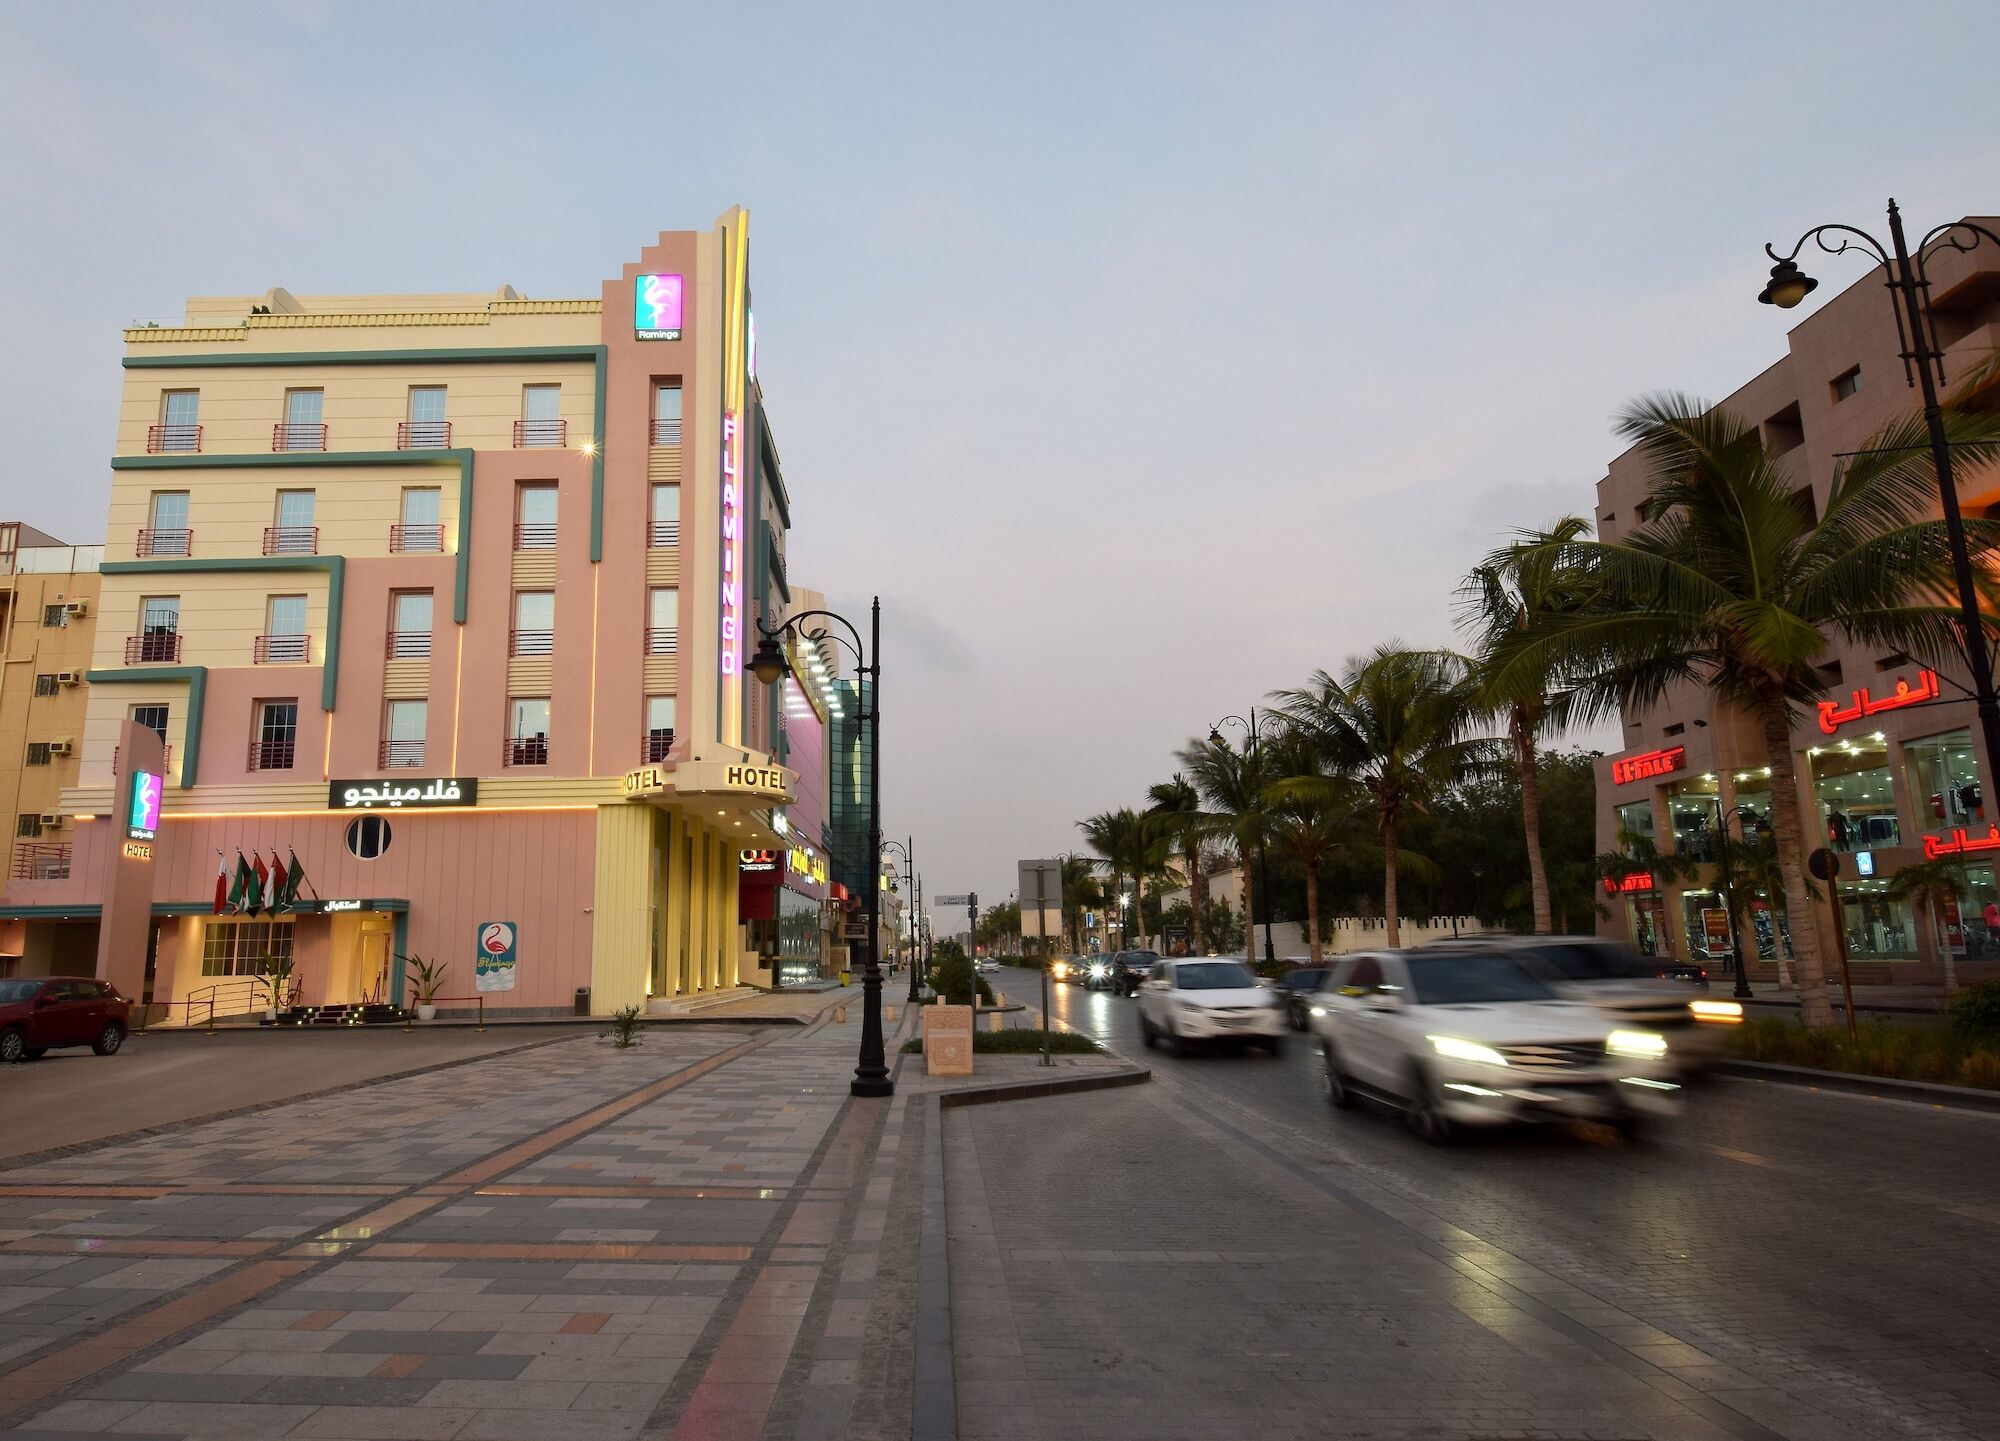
(260, 885)
(274, 889)
(221, 883)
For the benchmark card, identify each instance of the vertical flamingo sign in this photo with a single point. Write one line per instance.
(656, 307)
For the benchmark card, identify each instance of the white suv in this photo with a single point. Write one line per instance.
(1471, 1038)
(1209, 1000)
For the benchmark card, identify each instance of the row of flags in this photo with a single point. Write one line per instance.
(256, 888)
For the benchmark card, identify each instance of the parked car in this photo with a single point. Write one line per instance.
(1471, 1037)
(1129, 970)
(1190, 1002)
(1296, 989)
(39, 1014)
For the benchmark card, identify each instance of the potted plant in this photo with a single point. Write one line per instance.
(425, 978)
(276, 974)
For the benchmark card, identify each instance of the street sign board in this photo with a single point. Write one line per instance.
(1041, 899)
(953, 902)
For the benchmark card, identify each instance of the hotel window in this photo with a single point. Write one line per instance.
(294, 532)
(659, 727)
(535, 517)
(39, 753)
(1855, 794)
(667, 414)
(665, 527)
(302, 428)
(1635, 823)
(1944, 782)
(46, 685)
(663, 621)
(179, 429)
(1691, 804)
(238, 948)
(28, 824)
(403, 734)
(410, 625)
(541, 416)
(528, 731)
(426, 428)
(275, 745)
(284, 641)
(1847, 383)
(166, 530)
(159, 637)
(368, 837)
(534, 623)
(55, 617)
(418, 527)
(152, 717)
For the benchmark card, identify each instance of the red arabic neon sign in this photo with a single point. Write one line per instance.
(1648, 764)
(1959, 843)
(1628, 885)
(1832, 717)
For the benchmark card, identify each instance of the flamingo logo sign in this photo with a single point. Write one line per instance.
(656, 307)
(142, 816)
(493, 965)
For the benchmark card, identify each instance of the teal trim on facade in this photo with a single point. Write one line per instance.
(196, 677)
(399, 946)
(768, 453)
(78, 912)
(92, 910)
(597, 355)
(335, 567)
(775, 563)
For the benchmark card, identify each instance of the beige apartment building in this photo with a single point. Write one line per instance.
(48, 621)
(1891, 769)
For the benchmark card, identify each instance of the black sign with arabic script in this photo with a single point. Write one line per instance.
(417, 793)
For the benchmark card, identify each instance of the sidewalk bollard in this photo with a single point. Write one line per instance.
(408, 1012)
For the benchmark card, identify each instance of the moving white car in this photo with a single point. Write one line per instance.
(1472, 1038)
(1208, 1001)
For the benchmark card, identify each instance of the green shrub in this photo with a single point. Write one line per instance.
(953, 977)
(1975, 1011)
(1939, 1054)
(1017, 1041)
(624, 1030)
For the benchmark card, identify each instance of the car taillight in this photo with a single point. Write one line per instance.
(1704, 973)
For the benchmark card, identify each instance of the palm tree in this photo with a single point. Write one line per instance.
(1081, 889)
(1505, 594)
(1176, 810)
(1931, 886)
(1232, 787)
(1732, 584)
(1118, 837)
(1314, 817)
(1394, 721)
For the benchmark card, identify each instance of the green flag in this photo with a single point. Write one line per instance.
(239, 888)
(295, 876)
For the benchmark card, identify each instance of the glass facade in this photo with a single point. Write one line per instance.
(1691, 808)
(1944, 782)
(1877, 927)
(1635, 818)
(1855, 797)
(1710, 936)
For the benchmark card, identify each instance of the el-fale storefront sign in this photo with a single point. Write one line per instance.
(1647, 764)
(423, 793)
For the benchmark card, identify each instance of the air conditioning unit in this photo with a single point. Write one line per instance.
(61, 748)
(69, 677)
(52, 820)
(78, 607)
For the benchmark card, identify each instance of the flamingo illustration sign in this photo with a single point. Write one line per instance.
(142, 814)
(656, 307)
(493, 965)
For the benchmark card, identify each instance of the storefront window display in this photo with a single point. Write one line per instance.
(1855, 795)
(1646, 916)
(1709, 934)
(798, 937)
(1691, 805)
(1878, 928)
(1769, 929)
(1753, 801)
(1944, 782)
(1635, 819)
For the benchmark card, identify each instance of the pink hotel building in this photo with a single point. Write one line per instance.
(448, 597)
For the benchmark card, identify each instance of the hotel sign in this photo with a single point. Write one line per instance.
(644, 781)
(766, 782)
(1648, 764)
(732, 550)
(426, 793)
(656, 307)
(142, 809)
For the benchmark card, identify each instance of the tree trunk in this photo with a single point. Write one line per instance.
(1312, 913)
(1531, 817)
(1391, 920)
(1195, 889)
(1944, 947)
(1815, 1006)
(1249, 909)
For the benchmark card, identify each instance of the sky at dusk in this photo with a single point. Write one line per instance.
(1143, 357)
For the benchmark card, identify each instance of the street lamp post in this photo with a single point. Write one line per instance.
(907, 849)
(1253, 728)
(1923, 366)
(771, 664)
(1741, 816)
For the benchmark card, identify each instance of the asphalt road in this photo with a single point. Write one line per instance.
(1775, 1262)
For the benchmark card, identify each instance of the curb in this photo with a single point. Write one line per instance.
(1054, 1086)
(1930, 1093)
(532, 1023)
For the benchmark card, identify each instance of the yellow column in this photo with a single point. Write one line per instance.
(682, 910)
(621, 918)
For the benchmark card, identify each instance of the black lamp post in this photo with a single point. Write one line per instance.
(1747, 817)
(906, 848)
(770, 664)
(1253, 727)
(1923, 366)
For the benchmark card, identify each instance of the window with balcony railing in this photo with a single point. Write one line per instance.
(153, 647)
(172, 439)
(531, 642)
(535, 535)
(298, 435)
(423, 435)
(664, 520)
(48, 861)
(664, 641)
(291, 540)
(527, 751)
(656, 746)
(409, 645)
(667, 430)
(281, 649)
(275, 745)
(165, 542)
(536, 434)
(402, 755)
(273, 755)
(527, 731)
(166, 757)
(427, 539)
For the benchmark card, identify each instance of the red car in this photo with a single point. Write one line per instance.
(40, 1013)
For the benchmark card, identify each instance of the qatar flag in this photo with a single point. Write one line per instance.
(221, 883)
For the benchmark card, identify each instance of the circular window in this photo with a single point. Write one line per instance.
(368, 837)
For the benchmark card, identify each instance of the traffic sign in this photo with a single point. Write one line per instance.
(953, 901)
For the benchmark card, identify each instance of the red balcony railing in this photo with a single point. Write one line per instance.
(48, 861)
(166, 757)
(655, 746)
(292, 435)
(291, 540)
(152, 647)
(427, 538)
(402, 755)
(409, 645)
(281, 649)
(663, 642)
(667, 432)
(526, 751)
(535, 535)
(423, 434)
(531, 642)
(276, 755)
(663, 533)
(530, 434)
(172, 439)
(165, 542)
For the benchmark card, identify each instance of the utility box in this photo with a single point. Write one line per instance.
(583, 1000)
(948, 1040)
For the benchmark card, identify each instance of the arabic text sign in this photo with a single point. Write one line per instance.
(416, 794)
(142, 814)
(1629, 885)
(1832, 715)
(493, 963)
(1959, 842)
(656, 307)
(1647, 764)
(952, 902)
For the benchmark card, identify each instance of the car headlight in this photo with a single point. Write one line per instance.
(1645, 1045)
(1727, 1013)
(1460, 1050)
(1319, 1010)
(1098, 973)
(1058, 970)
